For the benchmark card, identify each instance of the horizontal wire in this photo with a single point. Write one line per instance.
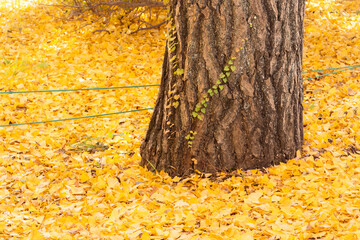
(328, 69)
(136, 110)
(323, 75)
(79, 89)
(156, 85)
(75, 118)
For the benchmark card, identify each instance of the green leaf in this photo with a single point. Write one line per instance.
(179, 71)
(218, 82)
(175, 104)
(191, 132)
(210, 92)
(192, 138)
(232, 68)
(200, 117)
(205, 104)
(226, 68)
(225, 80)
(221, 87)
(173, 58)
(195, 114)
(233, 58)
(227, 74)
(216, 91)
(203, 110)
(222, 75)
(214, 87)
(187, 137)
(231, 62)
(197, 109)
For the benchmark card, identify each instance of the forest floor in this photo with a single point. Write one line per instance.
(81, 179)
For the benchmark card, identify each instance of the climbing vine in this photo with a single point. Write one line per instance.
(173, 96)
(190, 137)
(200, 107)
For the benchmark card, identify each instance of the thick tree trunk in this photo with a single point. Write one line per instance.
(249, 53)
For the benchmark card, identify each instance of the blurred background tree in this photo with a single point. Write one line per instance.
(145, 14)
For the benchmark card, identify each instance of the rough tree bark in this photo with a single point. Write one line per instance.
(249, 53)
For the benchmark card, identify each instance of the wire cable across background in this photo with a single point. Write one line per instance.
(75, 118)
(345, 68)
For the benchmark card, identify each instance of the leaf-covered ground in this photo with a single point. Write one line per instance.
(81, 179)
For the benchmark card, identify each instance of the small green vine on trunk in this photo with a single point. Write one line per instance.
(173, 99)
(200, 107)
(190, 137)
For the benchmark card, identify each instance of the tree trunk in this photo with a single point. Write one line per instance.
(231, 89)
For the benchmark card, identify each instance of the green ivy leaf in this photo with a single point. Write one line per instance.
(179, 71)
(200, 117)
(226, 68)
(221, 87)
(214, 87)
(203, 110)
(231, 62)
(225, 80)
(175, 104)
(222, 75)
(187, 137)
(195, 114)
(173, 58)
(232, 68)
(218, 82)
(233, 58)
(210, 92)
(227, 74)
(216, 91)
(205, 104)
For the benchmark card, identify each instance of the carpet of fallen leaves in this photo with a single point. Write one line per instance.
(81, 179)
